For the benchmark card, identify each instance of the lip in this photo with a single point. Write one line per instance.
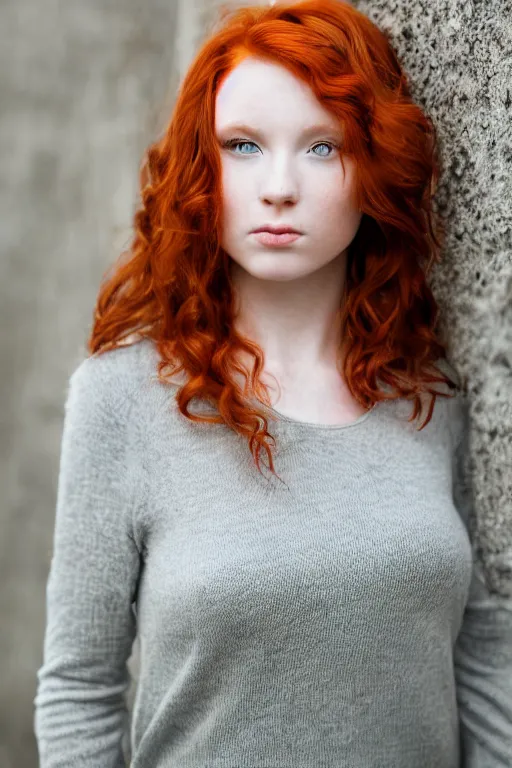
(273, 240)
(277, 230)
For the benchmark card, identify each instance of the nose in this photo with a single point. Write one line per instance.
(279, 198)
(279, 185)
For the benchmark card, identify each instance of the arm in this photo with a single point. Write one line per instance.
(483, 650)
(80, 709)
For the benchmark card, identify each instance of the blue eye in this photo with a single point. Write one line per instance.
(325, 144)
(238, 142)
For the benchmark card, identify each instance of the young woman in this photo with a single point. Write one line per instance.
(322, 607)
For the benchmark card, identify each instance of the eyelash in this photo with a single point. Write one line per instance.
(235, 142)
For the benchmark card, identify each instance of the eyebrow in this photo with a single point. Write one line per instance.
(309, 131)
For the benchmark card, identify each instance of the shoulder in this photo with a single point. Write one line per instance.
(455, 412)
(116, 371)
(451, 407)
(112, 382)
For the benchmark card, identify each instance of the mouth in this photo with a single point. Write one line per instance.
(272, 239)
(277, 230)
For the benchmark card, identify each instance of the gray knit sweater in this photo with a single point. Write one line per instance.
(336, 620)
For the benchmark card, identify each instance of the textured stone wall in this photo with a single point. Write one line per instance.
(84, 88)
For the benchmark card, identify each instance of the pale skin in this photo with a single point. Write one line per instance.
(288, 296)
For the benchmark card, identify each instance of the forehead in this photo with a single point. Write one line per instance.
(257, 91)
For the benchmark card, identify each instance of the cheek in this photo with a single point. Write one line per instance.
(337, 214)
(336, 196)
(327, 186)
(234, 190)
(334, 202)
(234, 213)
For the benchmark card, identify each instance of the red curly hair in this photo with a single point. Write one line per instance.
(175, 286)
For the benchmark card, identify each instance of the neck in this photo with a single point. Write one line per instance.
(295, 322)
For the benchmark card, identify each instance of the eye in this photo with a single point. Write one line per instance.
(236, 142)
(326, 144)
(232, 143)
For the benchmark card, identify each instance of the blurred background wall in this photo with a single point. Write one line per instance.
(84, 87)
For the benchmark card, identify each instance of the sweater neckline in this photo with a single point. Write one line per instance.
(318, 427)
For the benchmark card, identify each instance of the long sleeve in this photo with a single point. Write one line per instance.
(80, 708)
(483, 650)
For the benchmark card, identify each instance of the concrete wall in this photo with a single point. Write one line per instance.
(84, 88)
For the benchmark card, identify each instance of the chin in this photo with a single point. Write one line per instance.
(278, 267)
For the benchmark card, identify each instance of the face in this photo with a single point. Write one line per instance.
(280, 171)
